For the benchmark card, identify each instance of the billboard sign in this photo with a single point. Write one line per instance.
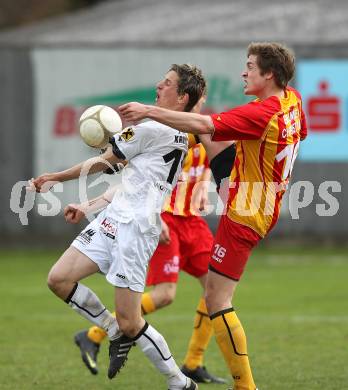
(324, 89)
(68, 81)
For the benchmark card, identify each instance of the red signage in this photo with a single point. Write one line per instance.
(324, 110)
(66, 121)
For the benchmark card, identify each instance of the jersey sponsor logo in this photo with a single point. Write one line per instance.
(172, 266)
(85, 237)
(127, 134)
(219, 253)
(292, 123)
(108, 228)
(90, 232)
(288, 131)
(121, 276)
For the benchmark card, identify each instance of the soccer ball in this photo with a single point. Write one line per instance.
(98, 124)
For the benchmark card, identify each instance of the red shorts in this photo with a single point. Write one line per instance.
(231, 249)
(189, 250)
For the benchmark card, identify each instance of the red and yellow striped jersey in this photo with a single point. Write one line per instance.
(268, 134)
(195, 163)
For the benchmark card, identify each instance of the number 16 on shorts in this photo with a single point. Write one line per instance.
(218, 253)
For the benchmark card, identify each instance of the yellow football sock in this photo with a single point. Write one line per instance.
(96, 334)
(201, 335)
(147, 304)
(231, 339)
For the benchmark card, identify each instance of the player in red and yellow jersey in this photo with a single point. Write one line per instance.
(268, 131)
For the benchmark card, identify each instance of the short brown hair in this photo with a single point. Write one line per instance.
(191, 81)
(276, 58)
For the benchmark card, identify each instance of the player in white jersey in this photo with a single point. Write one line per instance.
(126, 233)
(124, 236)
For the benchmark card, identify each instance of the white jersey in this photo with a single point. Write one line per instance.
(155, 153)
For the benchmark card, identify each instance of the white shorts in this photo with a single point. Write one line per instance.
(120, 250)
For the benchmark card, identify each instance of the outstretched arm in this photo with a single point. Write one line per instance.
(44, 182)
(187, 122)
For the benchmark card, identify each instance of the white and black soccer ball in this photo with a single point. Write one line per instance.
(98, 124)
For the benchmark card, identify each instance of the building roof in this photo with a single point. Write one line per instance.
(154, 23)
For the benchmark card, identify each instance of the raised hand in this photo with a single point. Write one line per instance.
(133, 112)
(42, 183)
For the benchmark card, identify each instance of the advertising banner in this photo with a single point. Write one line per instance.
(324, 89)
(68, 81)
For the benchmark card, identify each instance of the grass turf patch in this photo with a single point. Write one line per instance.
(292, 303)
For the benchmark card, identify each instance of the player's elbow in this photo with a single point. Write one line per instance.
(204, 125)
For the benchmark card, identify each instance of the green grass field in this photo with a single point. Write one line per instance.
(293, 304)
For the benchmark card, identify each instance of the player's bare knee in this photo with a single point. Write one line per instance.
(127, 326)
(216, 302)
(212, 302)
(208, 302)
(56, 281)
(52, 280)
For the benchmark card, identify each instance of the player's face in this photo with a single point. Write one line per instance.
(167, 92)
(254, 82)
